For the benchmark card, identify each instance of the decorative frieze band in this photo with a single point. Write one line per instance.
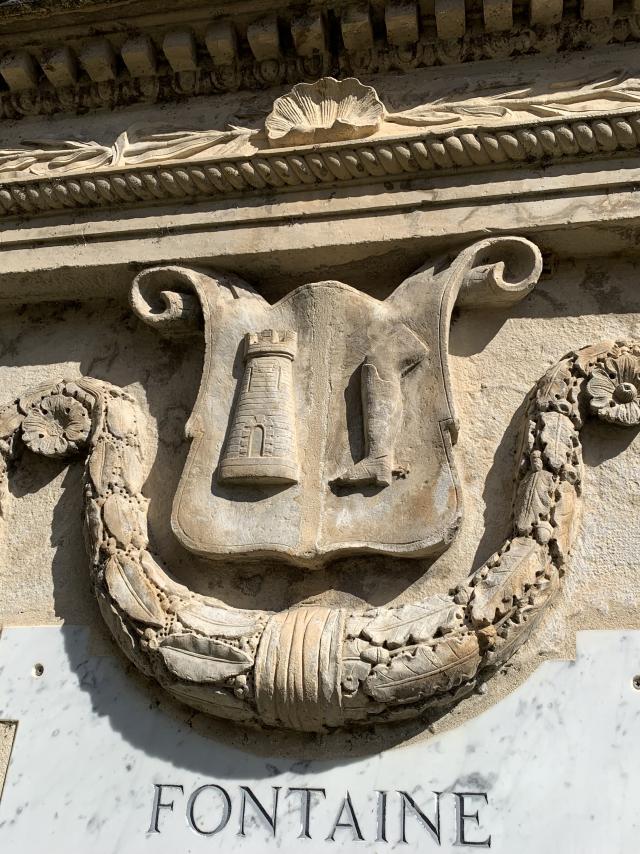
(309, 167)
(149, 59)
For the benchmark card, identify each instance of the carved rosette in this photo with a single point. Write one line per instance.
(313, 667)
(613, 390)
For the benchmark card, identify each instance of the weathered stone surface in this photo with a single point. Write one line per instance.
(320, 417)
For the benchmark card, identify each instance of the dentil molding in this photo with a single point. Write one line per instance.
(89, 55)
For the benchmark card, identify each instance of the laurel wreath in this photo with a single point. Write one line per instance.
(312, 667)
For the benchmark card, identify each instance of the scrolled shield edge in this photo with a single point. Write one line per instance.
(341, 667)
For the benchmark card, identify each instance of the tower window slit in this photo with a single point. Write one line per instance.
(256, 442)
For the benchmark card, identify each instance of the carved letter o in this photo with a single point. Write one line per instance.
(226, 810)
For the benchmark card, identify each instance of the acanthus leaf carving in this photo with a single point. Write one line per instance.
(565, 518)
(136, 146)
(577, 97)
(10, 419)
(588, 357)
(556, 390)
(534, 500)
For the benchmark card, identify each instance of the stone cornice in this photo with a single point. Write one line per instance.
(315, 167)
(93, 55)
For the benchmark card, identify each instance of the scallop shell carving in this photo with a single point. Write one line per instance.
(326, 111)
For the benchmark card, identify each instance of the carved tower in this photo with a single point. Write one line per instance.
(262, 444)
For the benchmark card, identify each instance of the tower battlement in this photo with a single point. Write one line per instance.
(271, 342)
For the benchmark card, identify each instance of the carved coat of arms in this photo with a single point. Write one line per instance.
(324, 426)
(323, 423)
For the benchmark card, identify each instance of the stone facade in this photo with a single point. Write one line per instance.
(320, 353)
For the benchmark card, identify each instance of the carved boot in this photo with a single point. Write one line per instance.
(369, 470)
(382, 411)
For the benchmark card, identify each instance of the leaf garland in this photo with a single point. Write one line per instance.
(425, 671)
(395, 627)
(495, 592)
(132, 592)
(534, 500)
(558, 438)
(197, 659)
(218, 622)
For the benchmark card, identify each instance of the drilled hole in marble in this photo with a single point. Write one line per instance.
(636, 682)
(38, 669)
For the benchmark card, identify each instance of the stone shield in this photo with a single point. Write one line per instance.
(322, 427)
(324, 423)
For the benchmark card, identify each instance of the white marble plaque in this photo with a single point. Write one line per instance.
(97, 766)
